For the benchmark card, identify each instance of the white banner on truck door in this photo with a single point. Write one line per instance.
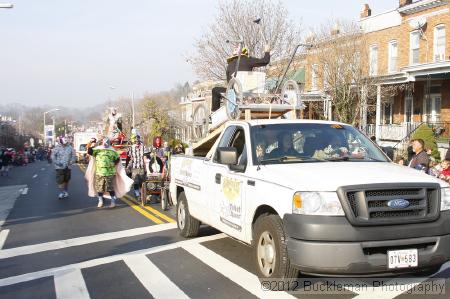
(231, 204)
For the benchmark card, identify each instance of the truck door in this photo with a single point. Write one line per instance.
(228, 202)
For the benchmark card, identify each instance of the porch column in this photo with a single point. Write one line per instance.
(363, 121)
(330, 109)
(378, 115)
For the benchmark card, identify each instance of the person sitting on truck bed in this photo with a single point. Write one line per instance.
(246, 64)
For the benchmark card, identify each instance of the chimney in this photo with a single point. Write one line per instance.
(366, 12)
(402, 3)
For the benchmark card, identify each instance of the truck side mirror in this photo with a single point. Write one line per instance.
(227, 155)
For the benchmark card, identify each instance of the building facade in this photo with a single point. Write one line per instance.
(407, 47)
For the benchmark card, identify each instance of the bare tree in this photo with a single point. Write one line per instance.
(340, 63)
(234, 21)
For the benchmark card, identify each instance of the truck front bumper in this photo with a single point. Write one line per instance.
(324, 245)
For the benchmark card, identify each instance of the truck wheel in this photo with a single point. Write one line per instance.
(187, 224)
(270, 250)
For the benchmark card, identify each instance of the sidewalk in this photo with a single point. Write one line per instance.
(8, 196)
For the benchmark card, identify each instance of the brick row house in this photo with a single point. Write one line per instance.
(407, 47)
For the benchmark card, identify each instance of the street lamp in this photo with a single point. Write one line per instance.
(49, 111)
(6, 5)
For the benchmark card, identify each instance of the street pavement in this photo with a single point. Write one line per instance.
(51, 248)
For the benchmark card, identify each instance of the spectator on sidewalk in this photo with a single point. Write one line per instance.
(63, 156)
(420, 160)
(2, 154)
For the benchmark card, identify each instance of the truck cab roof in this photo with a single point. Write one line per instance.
(257, 122)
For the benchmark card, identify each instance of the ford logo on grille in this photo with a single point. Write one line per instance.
(398, 203)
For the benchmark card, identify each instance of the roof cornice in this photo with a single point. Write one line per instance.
(420, 6)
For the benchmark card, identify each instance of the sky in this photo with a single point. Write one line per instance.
(71, 52)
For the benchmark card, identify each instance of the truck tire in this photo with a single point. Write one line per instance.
(188, 225)
(270, 249)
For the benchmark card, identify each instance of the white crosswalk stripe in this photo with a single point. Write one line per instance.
(69, 281)
(240, 276)
(71, 285)
(3, 235)
(30, 249)
(158, 285)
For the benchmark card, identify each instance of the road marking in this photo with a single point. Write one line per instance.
(152, 210)
(142, 211)
(3, 235)
(31, 249)
(238, 275)
(8, 196)
(152, 278)
(42, 169)
(103, 260)
(35, 176)
(24, 191)
(71, 285)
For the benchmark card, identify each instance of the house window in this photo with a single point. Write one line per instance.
(355, 69)
(392, 59)
(408, 106)
(439, 43)
(432, 104)
(387, 111)
(326, 76)
(373, 60)
(414, 45)
(314, 77)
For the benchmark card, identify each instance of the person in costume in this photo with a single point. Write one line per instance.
(105, 175)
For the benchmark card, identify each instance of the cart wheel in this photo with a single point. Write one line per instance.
(233, 98)
(290, 93)
(200, 122)
(164, 199)
(143, 194)
(169, 199)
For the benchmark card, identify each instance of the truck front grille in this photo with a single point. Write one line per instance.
(369, 204)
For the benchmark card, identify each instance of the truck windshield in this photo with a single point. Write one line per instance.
(312, 142)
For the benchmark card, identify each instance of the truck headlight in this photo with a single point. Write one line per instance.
(445, 199)
(317, 203)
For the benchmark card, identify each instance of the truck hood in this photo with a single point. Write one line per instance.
(328, 176)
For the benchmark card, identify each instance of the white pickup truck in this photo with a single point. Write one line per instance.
(317, 197)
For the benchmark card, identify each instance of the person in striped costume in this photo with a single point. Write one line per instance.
(135, 163)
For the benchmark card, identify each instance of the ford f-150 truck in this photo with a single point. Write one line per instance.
(317, 197)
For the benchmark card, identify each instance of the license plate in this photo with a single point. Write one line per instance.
(402, 258)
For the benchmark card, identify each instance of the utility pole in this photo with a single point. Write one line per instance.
(54, 130)
(132, 108)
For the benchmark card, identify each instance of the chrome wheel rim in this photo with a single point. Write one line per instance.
(266, 254)
(181, 216)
